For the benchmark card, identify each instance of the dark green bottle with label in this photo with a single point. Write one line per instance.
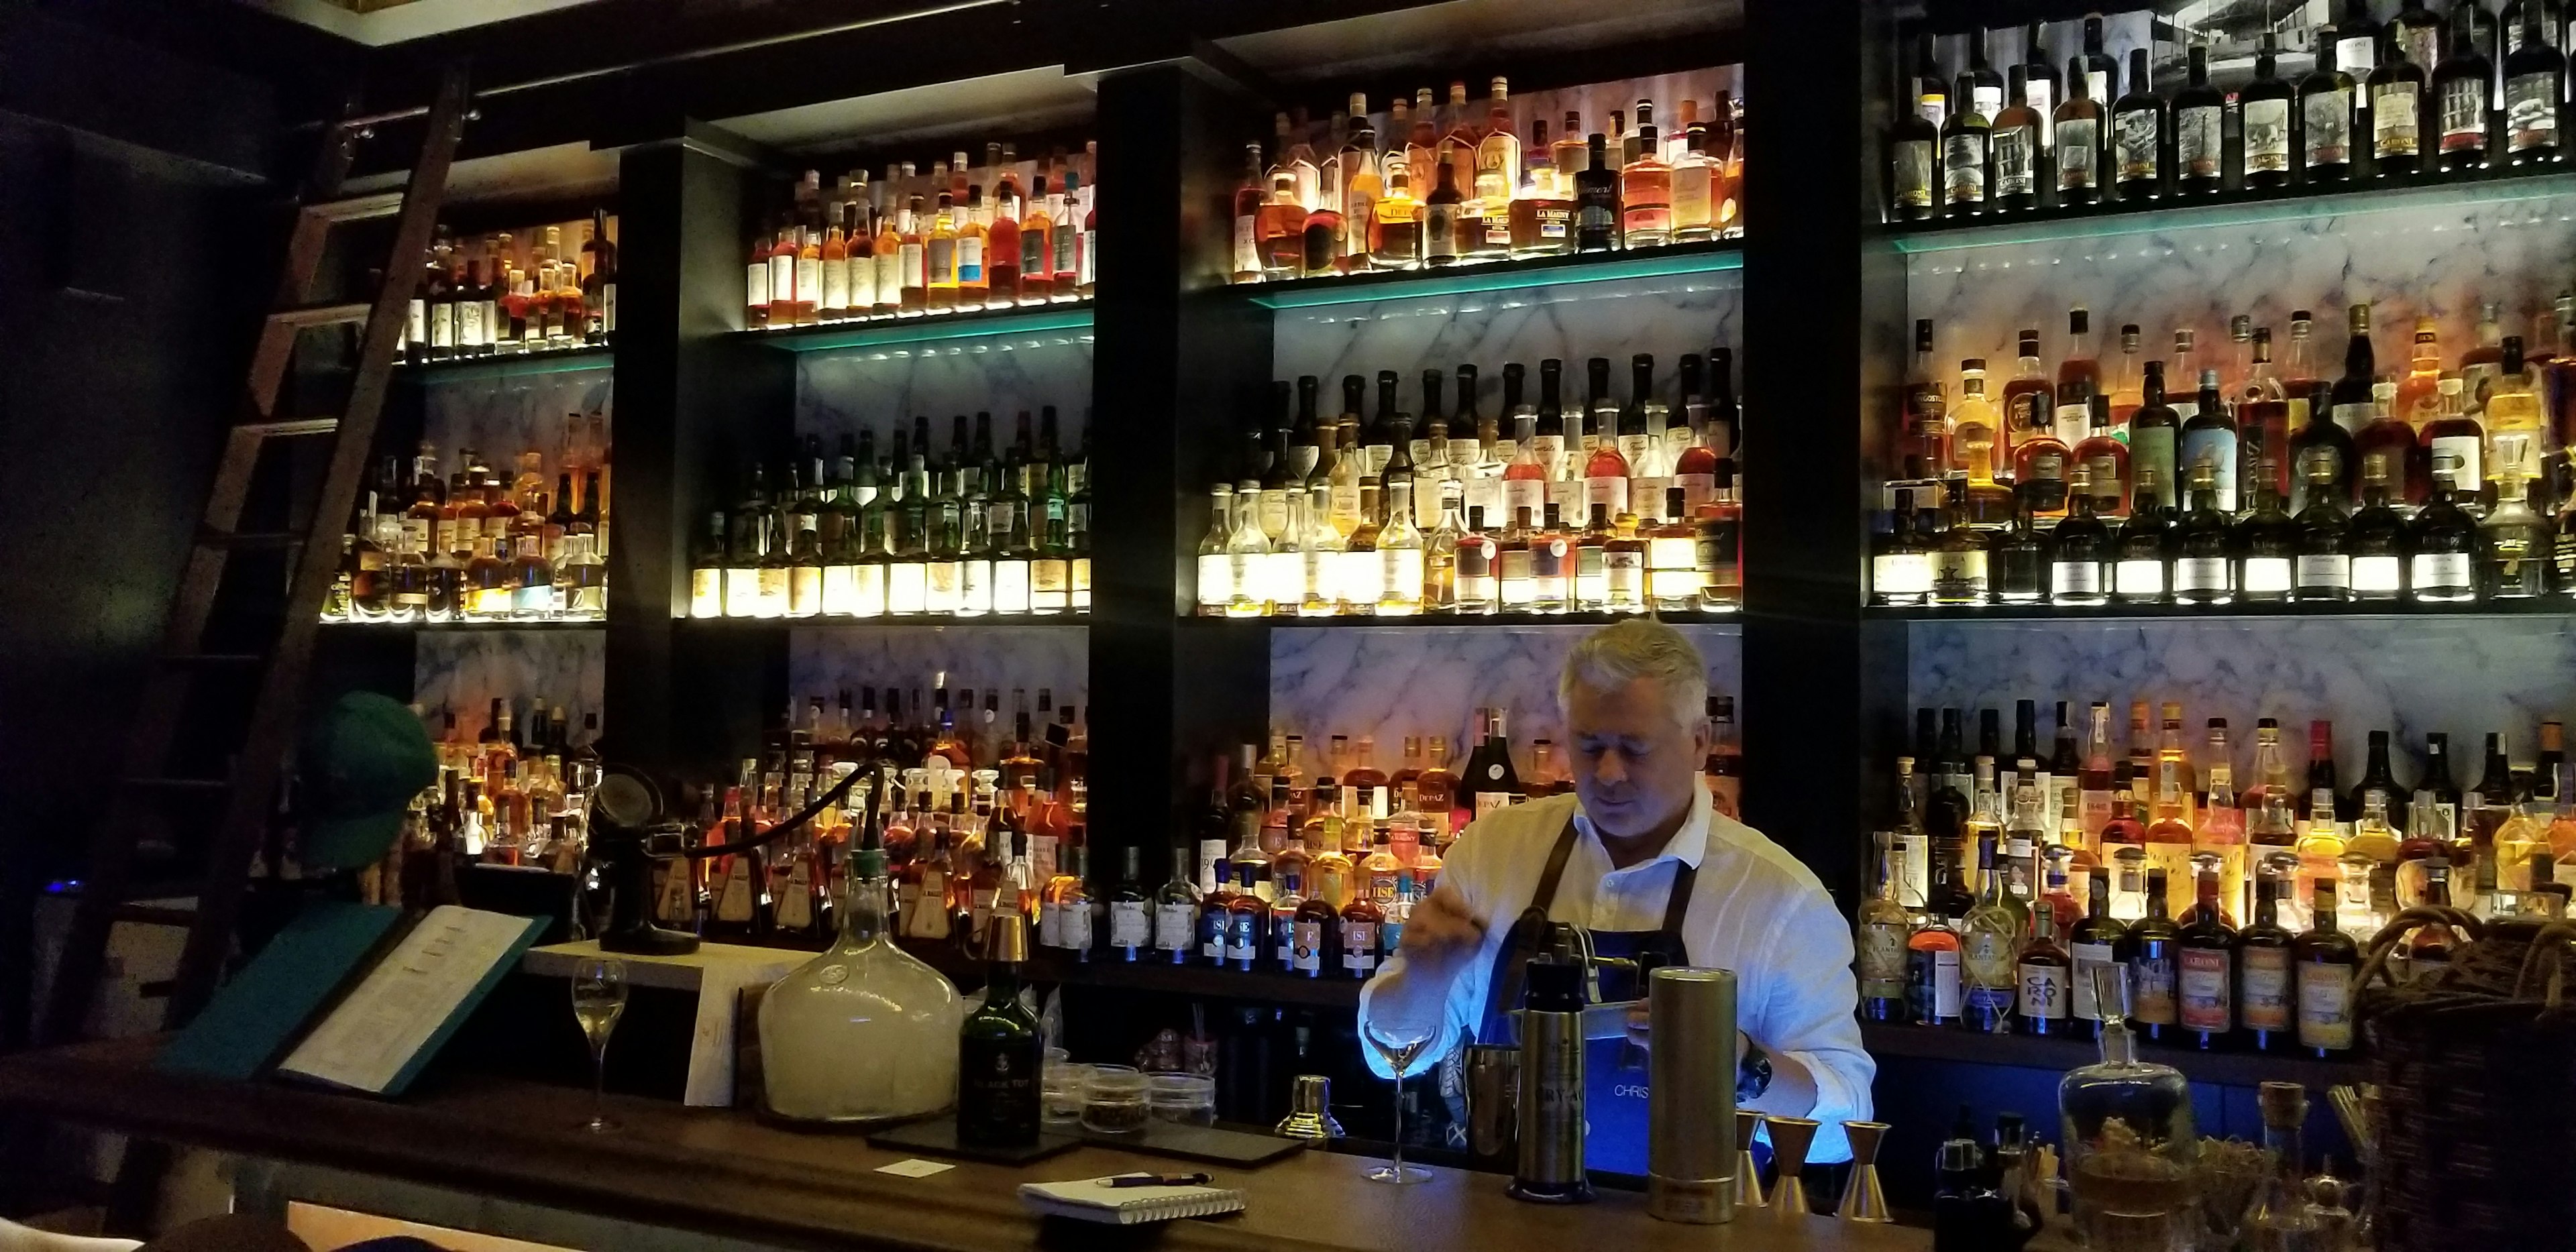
(999, 1051)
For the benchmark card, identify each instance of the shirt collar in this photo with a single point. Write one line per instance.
(1689, 845)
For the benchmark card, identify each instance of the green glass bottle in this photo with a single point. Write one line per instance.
(999, 1051)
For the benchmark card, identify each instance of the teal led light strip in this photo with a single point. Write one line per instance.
(1502, 276)
(2362, 201)
(564, 361)
(912, 330)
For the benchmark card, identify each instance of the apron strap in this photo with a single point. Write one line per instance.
(1555, 871)
(1527, 934)
(1677, 903)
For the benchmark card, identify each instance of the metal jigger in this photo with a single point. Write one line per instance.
(1310, 1114)
(1790, 1139)
(1862, 1200)
(1748, 1178)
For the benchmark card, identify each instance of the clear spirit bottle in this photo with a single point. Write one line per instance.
(863, 997)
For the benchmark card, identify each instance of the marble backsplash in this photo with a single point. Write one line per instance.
(825, 660)
(1394, 681)
(2464, 676)
(500, 417)
(876, 388)
(1665, 316)
(465, 670)
(2417, 257)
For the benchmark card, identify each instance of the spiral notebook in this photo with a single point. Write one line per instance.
(1094, 1200)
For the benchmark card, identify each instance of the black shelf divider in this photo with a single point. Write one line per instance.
(2065, 1052)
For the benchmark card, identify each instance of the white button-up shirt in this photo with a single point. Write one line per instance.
(1754, 909)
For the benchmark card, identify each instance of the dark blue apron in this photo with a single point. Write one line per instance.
(1614, 1070)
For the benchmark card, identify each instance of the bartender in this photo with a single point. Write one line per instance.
(1638, 858)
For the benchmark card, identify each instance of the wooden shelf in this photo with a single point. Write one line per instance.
(2233, 1069)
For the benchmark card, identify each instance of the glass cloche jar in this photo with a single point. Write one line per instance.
(2130, 1146)
(864, 1032)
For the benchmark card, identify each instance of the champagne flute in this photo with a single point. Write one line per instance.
(1398, 1047)
(598, 997)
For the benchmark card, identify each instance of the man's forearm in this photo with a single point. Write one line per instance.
(1411, 995)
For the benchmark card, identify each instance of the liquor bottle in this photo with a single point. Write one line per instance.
(2199, 165)
(2019, 561)
(2142, 555)
(2268, 545)
(1596, 200)
(2325, 114)
(2095, 944)
(2326, 960)
(2442, 543)
(2267, 104)
(2534, 90)
(1960, 558)
(2266, 996)
(1361, 935)
(2513, 420)
(2079, 571)
(1932, 992)
(2375, 538)
(2138, 129)
(1175, 909)
(2462, 86)
(2206, 964)
(2155, 437)
(2078, 124)
(1216, 911)
(2046, 974)
(1883, 930)
(2395, 96)
(2204, 549)
(2016, 133)
(1989, 936)
(1964, 157)
(2514, 543)
(2152, 950)
(1976, 439)
(999, 1052)
(1646, 194)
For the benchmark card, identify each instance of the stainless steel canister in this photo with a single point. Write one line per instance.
(1690, 1101)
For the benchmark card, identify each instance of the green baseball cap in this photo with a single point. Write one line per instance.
(362, 762)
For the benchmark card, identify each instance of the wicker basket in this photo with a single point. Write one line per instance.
(2476, 1068)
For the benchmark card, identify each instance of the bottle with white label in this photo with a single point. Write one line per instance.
(2138, 134)
(2375, 539)
(2395, 96)
(1963, 156)
(2265, 106)
(2077, 128)
(2203, 571)
(2462, 88)
(2534, 91)
(2199, 111)
(2443, 540)
(2094, 947)
(2325, 115)
(1176, 911)
(1216, 569)
(2267, 545)
(2324, 961)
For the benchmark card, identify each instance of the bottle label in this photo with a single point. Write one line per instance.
(1440, 230)
(1609, 491)
(1243, 936)
(970, 259)
(2464, 115)
(809, 279)
(2088, 958)
(1247, 245)
(2206, 1001)
(1911, 172)
(1959, 573)
(2267, 136)
(2393, 120)
(1932, 983)
(1175, 927)
(2329, 118)
(782, 279)
(892, 267)
(2322, 572)
(1050, 924)
(2196, 141)
(1963, 164)
(2357, 55)
(2443, 570)
(2044, 993)
(1882, 961)
(756, 292)
(2325, 1005)
(1359, 948)
(2530, 111)
(2264, 575)
(2151, 996)
(2378, 574)
(1129, 925)
(2200, 573)
(2139, 145)
(2077, 143)
(1901, 574)
(1216, 579)
(1306, 947)
(734, 902)
(2216, 446)
(915, 261)
(2265, 974)
(2153, 448)
(2463, 451)
(416, 318)
(2075, 578)
(2016, 174)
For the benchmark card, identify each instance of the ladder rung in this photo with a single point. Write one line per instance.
(211, 659)
(356, 208)
(290, 427)
(241, 539)
(155, 915)
(321, 314)
(147, 783)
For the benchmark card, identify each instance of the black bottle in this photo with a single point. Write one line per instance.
(1596, 201)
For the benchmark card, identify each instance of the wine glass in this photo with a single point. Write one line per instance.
(1399, 1047)
(598, 997)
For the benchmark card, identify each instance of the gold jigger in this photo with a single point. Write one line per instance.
(1790, 1139)
(1748, 1180)
(1862, 1200)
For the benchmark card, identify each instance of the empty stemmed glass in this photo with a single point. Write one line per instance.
(1398, 1047)
(598, 998)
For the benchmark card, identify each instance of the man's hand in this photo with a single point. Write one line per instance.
(1441, 929)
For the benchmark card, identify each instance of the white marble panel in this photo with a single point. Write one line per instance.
(2463, 676)
(1391, 682)
(2419, 258)
(465, 670)
(823, 661)
(875, 388)
(503, 416)
(1665, 316)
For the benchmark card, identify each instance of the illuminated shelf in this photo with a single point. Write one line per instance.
(1712, 256)
(819, 622)
(1459, 621)
(2353, 198)
(2540, 606)
(2234, 1069)
(511, 364)
(1052, 323)
(582, 623)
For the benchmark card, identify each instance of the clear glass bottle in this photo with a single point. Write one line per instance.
(1216, 569)
(1247, 555)
(865, 997)
(2130, 1147)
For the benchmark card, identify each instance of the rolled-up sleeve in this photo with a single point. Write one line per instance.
(1804, 1008)
(1464, 1003)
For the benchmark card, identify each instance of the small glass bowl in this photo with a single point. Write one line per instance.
(1187, 1099)
(1113, 1100)
(1061, 1088)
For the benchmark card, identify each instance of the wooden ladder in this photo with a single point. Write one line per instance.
(241, 801)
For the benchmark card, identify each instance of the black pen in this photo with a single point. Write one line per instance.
(1156, 1180)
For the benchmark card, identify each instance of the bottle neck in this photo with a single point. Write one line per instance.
(863, 911)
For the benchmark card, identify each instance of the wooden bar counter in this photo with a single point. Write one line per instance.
(723, 1173)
